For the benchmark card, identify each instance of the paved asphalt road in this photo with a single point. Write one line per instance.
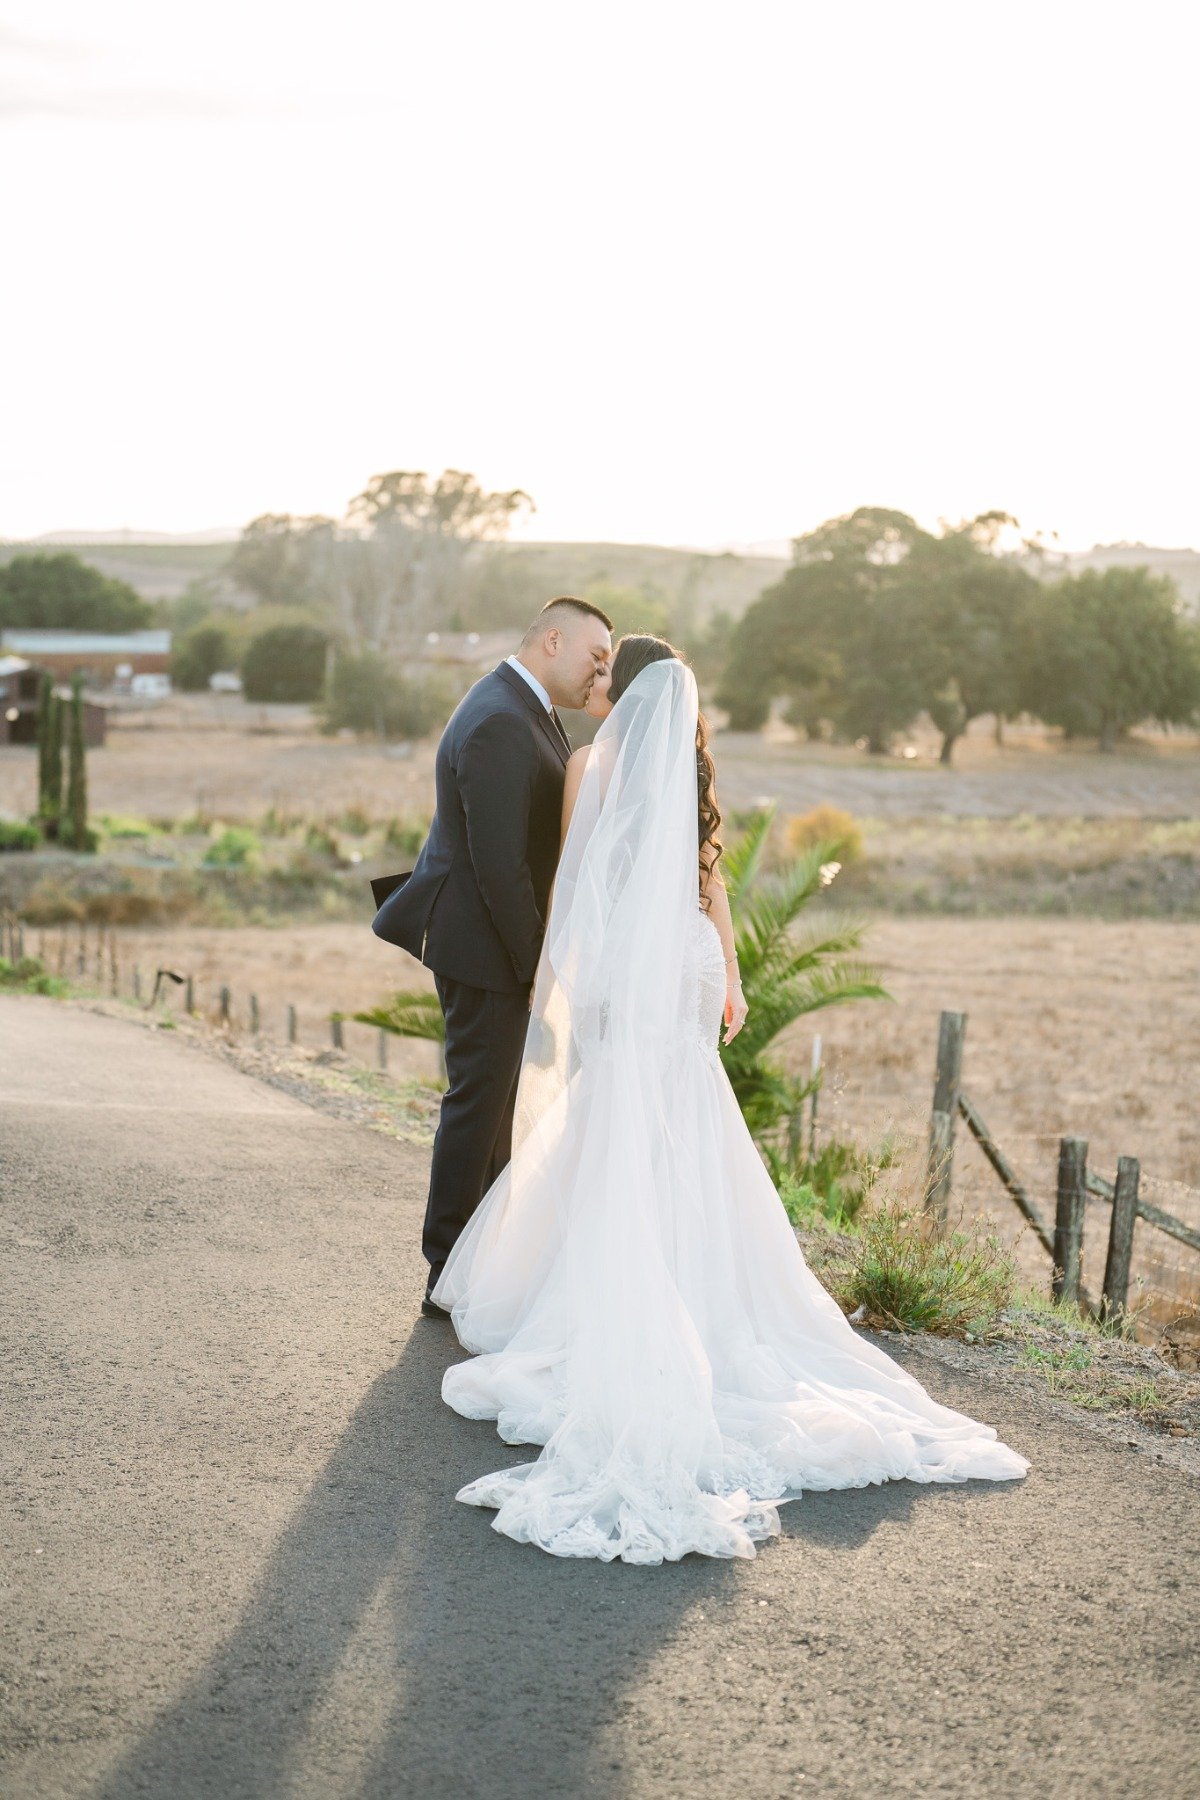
(234, 1565)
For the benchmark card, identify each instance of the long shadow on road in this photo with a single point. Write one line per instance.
(395, 1645)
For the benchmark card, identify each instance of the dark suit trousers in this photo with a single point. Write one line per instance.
(485, 1035)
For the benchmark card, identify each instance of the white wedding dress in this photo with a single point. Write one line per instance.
(632, 1289)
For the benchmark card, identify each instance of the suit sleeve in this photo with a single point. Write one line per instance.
(496, 770)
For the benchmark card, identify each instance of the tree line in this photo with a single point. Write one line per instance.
(876, 621)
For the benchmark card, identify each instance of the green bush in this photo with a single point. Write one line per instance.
(909, 1276)
(286, 663)
(122, 825)
(204, 650)
(30, 974)
(237, 847)
(405, 836)
(320, 842)
(14, 836)
(367, 693)
(833, 1186)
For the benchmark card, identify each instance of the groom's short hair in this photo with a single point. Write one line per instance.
(553, 609)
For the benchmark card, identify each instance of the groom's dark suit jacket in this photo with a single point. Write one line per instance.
(474, 907)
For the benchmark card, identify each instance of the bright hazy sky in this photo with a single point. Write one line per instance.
(689, 273)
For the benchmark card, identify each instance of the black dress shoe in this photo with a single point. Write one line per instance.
(431, 1310)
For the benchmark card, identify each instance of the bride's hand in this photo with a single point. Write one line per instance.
(735, 1010)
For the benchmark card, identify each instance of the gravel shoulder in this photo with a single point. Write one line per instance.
(234, 1565)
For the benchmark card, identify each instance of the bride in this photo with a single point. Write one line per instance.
(634, 1295)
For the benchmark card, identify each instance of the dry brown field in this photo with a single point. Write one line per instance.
(1082, 1027)
(221, 756)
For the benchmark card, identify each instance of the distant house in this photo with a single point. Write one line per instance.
(106, 658)
(20, 684)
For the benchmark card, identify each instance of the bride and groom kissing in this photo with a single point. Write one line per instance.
(600, 1226)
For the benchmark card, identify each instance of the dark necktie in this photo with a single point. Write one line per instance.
(561, 730)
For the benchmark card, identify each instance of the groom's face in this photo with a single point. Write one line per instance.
(583, 645)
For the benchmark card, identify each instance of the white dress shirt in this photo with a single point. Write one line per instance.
(533, 681)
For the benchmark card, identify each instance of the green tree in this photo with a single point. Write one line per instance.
(1108, 649)
(277, 555)
(834, 634)
(204, 650)
(285, 663)
(61, 592)
(968, 604)
(74, 829)
(631, 608)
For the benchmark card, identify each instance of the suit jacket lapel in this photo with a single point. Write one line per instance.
(552, 726)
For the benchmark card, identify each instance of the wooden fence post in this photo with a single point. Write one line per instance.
(1120, 1237)
(335, 1020)
(189, 1002)
(382, 1048)
(254, 1014)
(291, 1024)
(1068, 1217)
(947, 1081)
(224, 1004)
(137, 982)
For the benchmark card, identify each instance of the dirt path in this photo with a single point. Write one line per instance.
(235, 1567)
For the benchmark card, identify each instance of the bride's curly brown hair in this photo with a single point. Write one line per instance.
(635, 652)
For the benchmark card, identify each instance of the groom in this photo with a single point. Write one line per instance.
(474, 907)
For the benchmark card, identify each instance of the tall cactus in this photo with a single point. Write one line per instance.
(45, 705)
(52, 791)
(76, 825)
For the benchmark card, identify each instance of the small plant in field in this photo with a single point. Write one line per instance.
(123, 825)
(320, 841)
(828, 826)
(15, 836)
(237, 847)
(404, 835)
(30, 975)
(354, 822)
(909, 1276)
(834, 1185)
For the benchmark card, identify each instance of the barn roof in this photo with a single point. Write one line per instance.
(79, 643)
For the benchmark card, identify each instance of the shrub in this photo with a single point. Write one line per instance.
(15, 836)
(405, 836)
(833, 1186)
(910, 1277)
(320, 842)
(122, 825)
(237, 847)
(204, 650)
(354, 822)
(285, 663)
(31, 974)
(367, 693)
(827, 825)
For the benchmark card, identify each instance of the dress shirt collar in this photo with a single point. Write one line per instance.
(533, 681)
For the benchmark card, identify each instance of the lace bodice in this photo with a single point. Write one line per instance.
(710, 971)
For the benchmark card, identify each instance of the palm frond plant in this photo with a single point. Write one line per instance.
(785, 976)
(408, 1015)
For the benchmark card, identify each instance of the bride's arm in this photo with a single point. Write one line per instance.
(713, 889)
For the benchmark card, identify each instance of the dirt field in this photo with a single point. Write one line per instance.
(218, 754)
